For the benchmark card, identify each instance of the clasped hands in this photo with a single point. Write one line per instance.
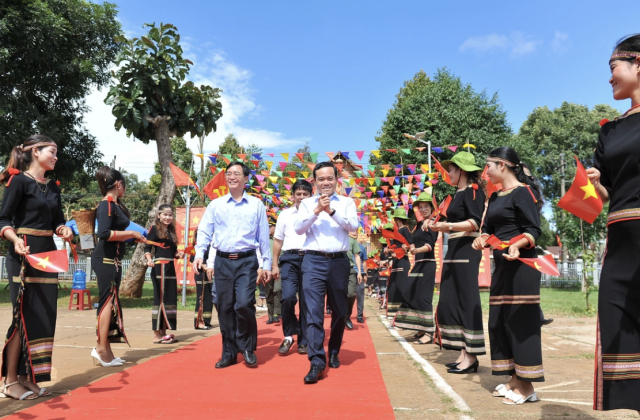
(324, 204)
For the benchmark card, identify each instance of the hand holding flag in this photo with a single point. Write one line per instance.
(582, 200)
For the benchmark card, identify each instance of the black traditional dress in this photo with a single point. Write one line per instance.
(106, 261)
(459, 313)
(617, 375)
(204, 298)
(165, 284)
(416, 311)
(34, 211)
(514, 304)
(399, 275)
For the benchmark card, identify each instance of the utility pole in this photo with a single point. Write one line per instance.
(113, 163)
(562, 192)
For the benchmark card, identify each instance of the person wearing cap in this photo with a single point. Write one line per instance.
(289, 246)
(272, 289)
(459, 313)
(237, 225)
(327, 219)
(355, 278)
(400, 266)
(416, 311)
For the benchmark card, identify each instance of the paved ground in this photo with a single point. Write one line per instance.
(568, 346)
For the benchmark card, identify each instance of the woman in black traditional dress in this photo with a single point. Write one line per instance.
(384, 271)
(616, 176)
(106, 261)
(513, 216)
(204, 298)
(400, 266)
(459, 313)
(416, 311)
(30, 214)
(163, 275)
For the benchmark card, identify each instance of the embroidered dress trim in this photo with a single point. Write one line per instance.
(530, 372)
(34, 232)
(622, 215)
(4, 229)
(426, 259)
(162, 260)
(416, 274)
(395, 270)
(41, 280)
(514, 300)
(531, 239)
(473, 223)
(40, 352)
(112, 262)
(457, 235)
(502, 365)
(616, 367)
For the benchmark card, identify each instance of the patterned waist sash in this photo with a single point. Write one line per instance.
(34, 232)
(623, 215)
(457, 235)
(514, 300)
(162, 260)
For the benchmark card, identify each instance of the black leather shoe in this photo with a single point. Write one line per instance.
(270, 321)
(334, 362)
(360, 320)
(348, 324)
(302, 349)
(314, 374)
(452, 365)
(250, 358)
(226, 363)
(285, 346)
(276, 319)
(544, 321)
(473, 367)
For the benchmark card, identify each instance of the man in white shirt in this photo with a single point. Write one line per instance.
(327, 219)
(289, 269)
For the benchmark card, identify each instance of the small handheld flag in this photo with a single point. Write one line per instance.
(50, 262)
(546, 264)
(582, 198)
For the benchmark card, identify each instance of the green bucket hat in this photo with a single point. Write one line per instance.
(464, 160)
(400, 213)
(388, 225)
(383, 241)
(423, 197)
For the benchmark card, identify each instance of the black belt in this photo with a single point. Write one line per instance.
(294, 251)
(235, 255)
(328, 254)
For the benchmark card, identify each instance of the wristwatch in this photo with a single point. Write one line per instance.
(450, 227)
(332, 213)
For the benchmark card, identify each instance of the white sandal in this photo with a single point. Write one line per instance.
(5, 394)
(517, 399)
(501, 391)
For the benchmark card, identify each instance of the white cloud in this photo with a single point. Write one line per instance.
(238, 104)
(561, 43)
(516, 43)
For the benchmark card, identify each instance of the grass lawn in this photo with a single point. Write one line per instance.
(555, 302)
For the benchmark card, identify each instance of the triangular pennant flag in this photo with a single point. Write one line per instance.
(582, 199)
(50, 262)
(256, 156)
(359, 153)
(269, 164)
(437, 149)
(420, 149)
(345, 154)
(407, 151)
(213, 159)
(330, 154)
(443, 172)
(452, 148)
(376, 153)
(283, 165)
(305, 174)
(313, 156)
(285, 156)
(311, 165)
(392, 150)
(242, 156)
(300, 156)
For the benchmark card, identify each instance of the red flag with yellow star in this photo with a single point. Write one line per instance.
(50, 262)
(582, 200)
(444, 174)
(546, 264)
(217, 187)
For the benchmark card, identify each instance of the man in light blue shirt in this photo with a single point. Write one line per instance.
(236, 225)
(326, 219)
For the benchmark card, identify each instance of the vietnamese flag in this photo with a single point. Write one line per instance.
(442, 210)
(495, 243)
(181, 178)
(546, 264)
(582, 199)
(50, 262)
(443, 172)
(419, 217)
(217, 187)
(491, 188)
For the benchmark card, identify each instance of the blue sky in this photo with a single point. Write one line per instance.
(327, 72)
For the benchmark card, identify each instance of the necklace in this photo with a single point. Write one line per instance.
(43, 191)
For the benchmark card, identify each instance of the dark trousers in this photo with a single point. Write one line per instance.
(322, 275)
(236, 287)
(355, 292)
(273, 294)
(291, 279)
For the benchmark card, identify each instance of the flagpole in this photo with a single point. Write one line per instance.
(429, 156)
(186, 239)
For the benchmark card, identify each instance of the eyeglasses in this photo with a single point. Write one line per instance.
(234, 174)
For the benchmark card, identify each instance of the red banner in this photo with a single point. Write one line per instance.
(437, 252)
(195, 215)
(484, 272)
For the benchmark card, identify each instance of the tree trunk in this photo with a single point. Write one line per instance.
(134, 280)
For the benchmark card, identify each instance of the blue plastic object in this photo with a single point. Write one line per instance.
(79, 280)
(72, 224)
(136, 227)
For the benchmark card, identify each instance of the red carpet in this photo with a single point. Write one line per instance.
(184, 384)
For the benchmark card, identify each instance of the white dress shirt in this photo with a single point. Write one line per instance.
(327, 233)
(212, 257)
(286, 231)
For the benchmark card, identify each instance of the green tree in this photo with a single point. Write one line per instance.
(52, 53)
(450, 112)
(183, 158)
(152, 101)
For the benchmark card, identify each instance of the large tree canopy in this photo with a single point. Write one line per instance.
(51, 54)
